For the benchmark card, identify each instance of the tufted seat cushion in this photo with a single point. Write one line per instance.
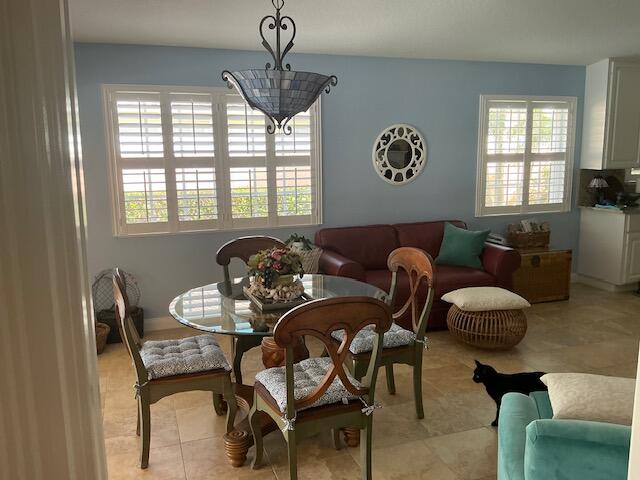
(165, 358)
(307, 375)
(363, 341)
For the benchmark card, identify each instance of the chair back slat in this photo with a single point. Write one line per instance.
(419, 267)
(126, 327)
(319, 318)
(243, 248)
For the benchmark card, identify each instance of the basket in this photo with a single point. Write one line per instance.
(493, 329)
(102, 332)
(528, 239)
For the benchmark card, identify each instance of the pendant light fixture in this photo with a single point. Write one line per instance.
(277, 91)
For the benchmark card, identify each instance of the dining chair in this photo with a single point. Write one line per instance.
(243, 248)
(399, 345)
(318, 394)
(165, 367)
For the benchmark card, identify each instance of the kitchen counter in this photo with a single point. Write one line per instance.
(627, 211)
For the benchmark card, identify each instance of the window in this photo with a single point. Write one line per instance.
(186, 159)
(525, 154)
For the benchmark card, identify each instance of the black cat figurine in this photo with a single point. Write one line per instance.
(497, 384)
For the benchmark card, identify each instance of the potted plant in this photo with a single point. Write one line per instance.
(276, 274)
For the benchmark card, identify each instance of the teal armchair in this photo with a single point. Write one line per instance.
(533, 446)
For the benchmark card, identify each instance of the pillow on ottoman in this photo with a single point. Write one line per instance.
(484, 299)
(597, 398)
(461, 247)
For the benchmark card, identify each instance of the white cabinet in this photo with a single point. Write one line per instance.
(609, 246)
(633, 257)
(611, 120)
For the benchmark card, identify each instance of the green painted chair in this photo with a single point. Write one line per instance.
(400, 345)
(243, 248)
(318, 394)
(162, 370)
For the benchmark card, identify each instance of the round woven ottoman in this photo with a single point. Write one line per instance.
(485, 317)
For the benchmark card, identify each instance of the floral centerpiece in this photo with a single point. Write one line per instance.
(276, 275)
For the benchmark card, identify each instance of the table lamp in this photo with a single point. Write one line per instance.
(598, 184)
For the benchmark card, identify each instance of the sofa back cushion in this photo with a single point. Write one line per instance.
(425, 235)
(369, 245)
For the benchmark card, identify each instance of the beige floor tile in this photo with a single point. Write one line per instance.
(164, 464)
(338, 467)
(595, 332)
(471, 454)
(199, 422)
(412, 460)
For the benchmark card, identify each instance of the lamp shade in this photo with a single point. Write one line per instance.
(598, 182)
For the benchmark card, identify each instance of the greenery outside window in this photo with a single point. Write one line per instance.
(186, 159)
(525, 154)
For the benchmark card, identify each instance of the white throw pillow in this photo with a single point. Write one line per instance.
(598, 398)
(482, 299)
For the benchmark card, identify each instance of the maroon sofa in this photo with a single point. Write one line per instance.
(361, 253)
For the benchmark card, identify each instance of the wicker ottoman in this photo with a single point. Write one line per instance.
(473, 323)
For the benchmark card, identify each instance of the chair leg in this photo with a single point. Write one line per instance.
(417, 386)
(256, 431)
(217, 404)
(232, 405)
(391, 384)
(144, 413)
(365, 448)
(138, 423)
(290, 437)
(335, 434)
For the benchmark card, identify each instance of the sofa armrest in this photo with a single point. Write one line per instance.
(516, 412)
(333, 263)
(576, 449)
(501, 262)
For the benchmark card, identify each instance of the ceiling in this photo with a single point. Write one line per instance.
(530, 31)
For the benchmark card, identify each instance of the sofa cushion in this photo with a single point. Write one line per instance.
(307, 375)
(461, 247)
(369, 245)
(424, 235)
(484, 299)
(166, 358)
(453, 277)
(598, 398)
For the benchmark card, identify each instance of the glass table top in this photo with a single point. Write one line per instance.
(223, 308)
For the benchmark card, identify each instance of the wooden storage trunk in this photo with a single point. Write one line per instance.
(544, 275)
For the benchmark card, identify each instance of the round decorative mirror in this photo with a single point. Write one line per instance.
(399, 154)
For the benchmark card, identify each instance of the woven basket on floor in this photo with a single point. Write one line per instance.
(102, 332)
(494, 329)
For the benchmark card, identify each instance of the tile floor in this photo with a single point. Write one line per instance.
(594, 332)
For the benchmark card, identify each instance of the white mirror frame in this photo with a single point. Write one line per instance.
(399, 131)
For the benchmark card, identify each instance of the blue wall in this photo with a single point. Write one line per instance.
(439, 97)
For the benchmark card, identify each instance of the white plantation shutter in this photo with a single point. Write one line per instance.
(187, 159)
(525, 154)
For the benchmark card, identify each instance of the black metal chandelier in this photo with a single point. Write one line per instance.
(280, 93)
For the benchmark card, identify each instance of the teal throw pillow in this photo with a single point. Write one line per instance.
(461, 247)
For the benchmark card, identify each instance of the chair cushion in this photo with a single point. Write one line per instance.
(165, 358)
(484, 299)
(307, 375)
(396, 336)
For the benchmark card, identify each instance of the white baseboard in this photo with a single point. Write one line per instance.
(161, 323)
(601, 284)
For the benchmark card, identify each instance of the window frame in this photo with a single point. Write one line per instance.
(526, 157)
(220, 162)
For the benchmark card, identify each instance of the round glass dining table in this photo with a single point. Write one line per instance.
(223, 308)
